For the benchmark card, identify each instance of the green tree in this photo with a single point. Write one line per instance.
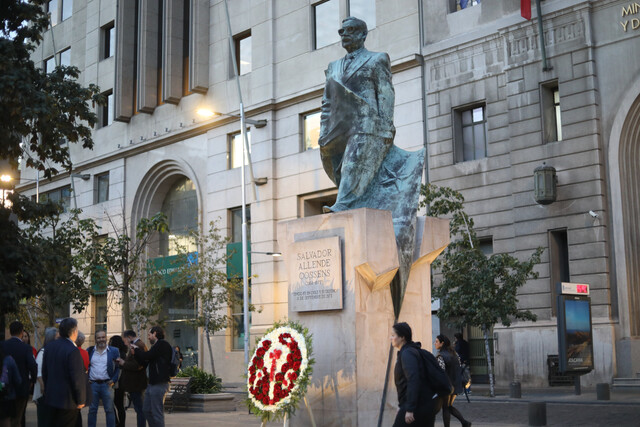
(475, 289)
(124, 269)
(55, 256)
(204, 277)
(39, 110)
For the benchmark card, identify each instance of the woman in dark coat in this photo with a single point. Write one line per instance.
(118, 395)
(448, 357)
(418, 403)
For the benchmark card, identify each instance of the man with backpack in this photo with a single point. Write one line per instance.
(159, 361)
(419, 381)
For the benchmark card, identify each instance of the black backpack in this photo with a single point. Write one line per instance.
(436, 377)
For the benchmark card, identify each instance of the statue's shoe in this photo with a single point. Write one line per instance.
(335, 208)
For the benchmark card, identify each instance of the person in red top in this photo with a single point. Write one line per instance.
(26, 338)
(84, 353)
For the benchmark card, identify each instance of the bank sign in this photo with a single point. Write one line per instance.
(575, 335)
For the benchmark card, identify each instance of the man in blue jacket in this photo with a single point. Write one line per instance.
(103, 373)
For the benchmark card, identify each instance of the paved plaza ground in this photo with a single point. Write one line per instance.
(564, 409)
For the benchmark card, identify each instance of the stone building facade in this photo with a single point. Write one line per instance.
(469, 84)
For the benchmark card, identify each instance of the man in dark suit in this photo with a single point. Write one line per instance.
(65, 380)
(23, 356)
(356, 123)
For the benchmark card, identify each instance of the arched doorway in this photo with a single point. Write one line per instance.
(170, 186)
(629, 165)
(180, 204)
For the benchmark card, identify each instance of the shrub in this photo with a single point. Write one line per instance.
(202, 382)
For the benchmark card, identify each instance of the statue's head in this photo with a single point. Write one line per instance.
(353, 33)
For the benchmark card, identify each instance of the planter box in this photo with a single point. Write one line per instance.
(218, 402)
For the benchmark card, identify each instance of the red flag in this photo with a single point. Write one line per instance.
(525, 9)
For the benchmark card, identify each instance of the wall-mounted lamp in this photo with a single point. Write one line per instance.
(274, 254)
(545, 182)
(207, 113)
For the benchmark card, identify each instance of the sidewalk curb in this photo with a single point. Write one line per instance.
(551, 402)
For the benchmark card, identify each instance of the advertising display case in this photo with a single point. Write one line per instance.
(575, 335)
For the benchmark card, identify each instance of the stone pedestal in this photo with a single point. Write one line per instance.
(351, 343)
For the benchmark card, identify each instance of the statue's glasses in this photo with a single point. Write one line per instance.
(347, 30)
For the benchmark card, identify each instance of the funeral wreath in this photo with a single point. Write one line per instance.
(279, 371)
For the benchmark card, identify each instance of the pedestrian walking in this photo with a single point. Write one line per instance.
(44, 411)
(116, 341)
(103, 373)
(23, 356)
(451, 364)
(84, 353)
(133, 379)
(158, 360)
(64, 377)
(417, 400)
(26, 338)
(462, 348)
(179, 356)
(10, 381)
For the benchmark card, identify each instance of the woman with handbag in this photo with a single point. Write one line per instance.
(448, 357)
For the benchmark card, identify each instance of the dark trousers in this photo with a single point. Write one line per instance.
(65, 417)
(425, 415)
(118, 403)
(45, 413)
(448, 410)
(21, 406)
(136, 399)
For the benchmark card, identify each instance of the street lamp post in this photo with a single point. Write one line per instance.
(245, 151)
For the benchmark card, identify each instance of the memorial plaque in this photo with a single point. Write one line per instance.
(315, 275)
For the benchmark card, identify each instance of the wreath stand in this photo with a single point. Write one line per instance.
(285, 422)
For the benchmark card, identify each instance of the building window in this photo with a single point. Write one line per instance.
(558, 263)
(235, 150)
(326, 20)
(234, 270)
(365, 10)
(551, 117)
(60, 195)
(310, 130)
(105, 112)
(456, 5)
(49, 64)
(52, 10)
(311, 204)
(108, 36)
(243, 52)
(101, 190)
(65, 57)
(470, 133)
(100, 321)
(66, 9)
(485, 244)
(181, 207)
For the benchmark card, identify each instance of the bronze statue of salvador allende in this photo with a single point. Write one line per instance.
(356, 143)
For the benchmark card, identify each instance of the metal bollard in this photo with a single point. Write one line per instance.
(537, 413)
(515, 390)
(602, 391)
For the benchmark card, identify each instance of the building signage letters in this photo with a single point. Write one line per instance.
(628, 22)
(316, 275)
